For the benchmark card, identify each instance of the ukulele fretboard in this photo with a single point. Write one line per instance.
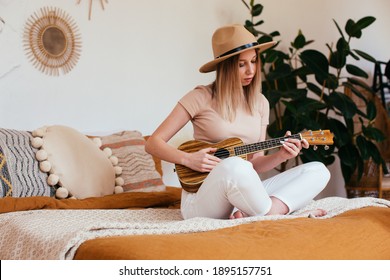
(265, 145)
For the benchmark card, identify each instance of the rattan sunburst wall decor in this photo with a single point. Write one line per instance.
(90, 6)
(52, 41)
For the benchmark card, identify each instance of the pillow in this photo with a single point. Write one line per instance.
(20, 175)
(76, 166)
(139, 172)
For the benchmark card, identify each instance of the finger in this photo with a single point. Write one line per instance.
(290, 148)
(305, 144)
(295, 142)
(207, 167)
(208, 150)
(212, 158)
(288, 133)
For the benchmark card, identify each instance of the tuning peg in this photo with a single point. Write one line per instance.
(326, 147)
(315, 147)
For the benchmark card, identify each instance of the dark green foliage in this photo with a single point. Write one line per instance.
(306, 90)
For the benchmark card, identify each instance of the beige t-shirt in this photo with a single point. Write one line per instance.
(210, 127)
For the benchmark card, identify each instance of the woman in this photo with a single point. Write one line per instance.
(233, 106)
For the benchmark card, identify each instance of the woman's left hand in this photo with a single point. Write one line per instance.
(291, 147)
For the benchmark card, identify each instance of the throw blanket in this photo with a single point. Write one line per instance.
(56, 234)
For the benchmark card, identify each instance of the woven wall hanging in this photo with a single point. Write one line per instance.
(51, 41)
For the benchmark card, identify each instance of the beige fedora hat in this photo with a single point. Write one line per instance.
(231, 40)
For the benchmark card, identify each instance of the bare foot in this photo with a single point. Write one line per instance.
(238, 214)
(315, 213)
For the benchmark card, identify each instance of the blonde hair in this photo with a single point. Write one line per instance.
(228, 91)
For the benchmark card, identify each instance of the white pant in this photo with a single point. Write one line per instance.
(234, 183)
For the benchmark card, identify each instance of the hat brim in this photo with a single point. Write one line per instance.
(212, 65)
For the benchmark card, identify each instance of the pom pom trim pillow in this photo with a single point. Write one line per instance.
(76, 166)
(139, 172)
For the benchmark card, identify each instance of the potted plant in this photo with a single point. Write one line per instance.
(306, 90)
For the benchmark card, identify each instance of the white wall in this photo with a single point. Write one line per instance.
(139, 57)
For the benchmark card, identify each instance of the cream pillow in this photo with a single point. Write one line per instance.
(76, 166)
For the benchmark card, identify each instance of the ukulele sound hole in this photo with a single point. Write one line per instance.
(222, 153)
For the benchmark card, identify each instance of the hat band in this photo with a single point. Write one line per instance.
(240, 48)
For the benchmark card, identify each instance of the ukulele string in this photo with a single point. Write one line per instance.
(265, 145)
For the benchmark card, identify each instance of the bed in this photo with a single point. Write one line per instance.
(147, 225)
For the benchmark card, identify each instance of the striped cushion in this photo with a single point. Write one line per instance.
(19, 170)
(138, 167)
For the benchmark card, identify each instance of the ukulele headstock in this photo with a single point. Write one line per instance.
(318, 137)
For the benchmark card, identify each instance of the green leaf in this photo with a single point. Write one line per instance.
(361, 84)
(299, 42)
(314, 88)
(331, 82)
(350, 28)
(295, 94)
(281, 71)
(340, 131)
(361, 142)
(364, 22)
(271, 56)
(353, 55)
(365, 56)
(384, 166)
(307, 105)
(350, 125)
(371, 110)
(246, 4)
(360, 168)
(248, 23)
(347, 172)
(317, 63)
(309, 42)
(290, 107)
(259, 22)
(338, 59)
(302, 73)
(354, 70)
(374, 152)
(257, 9)
(356, 90)
(342, 46)
(339, 29)
(350, 159)
(275, 33)
(355, 29)
(344, 104)
(373, 133)
(348, 155)
(361, 114)
(307, 122)
(273, 97)
(264, 39)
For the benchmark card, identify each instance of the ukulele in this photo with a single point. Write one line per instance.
(191, 180)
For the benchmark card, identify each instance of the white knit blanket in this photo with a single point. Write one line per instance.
(56, 234)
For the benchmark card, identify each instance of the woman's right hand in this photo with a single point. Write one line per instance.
(202, 160)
